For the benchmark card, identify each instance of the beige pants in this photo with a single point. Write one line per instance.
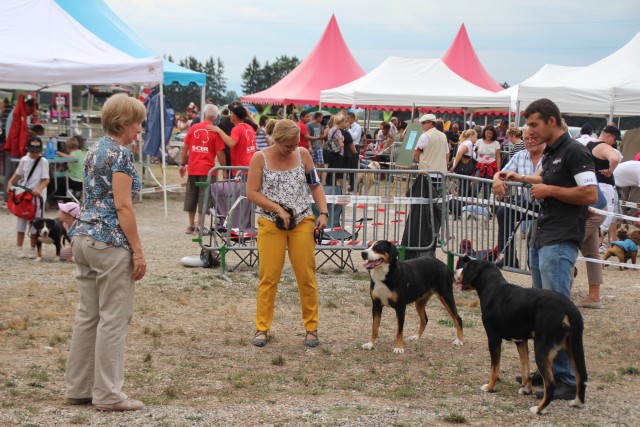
(95, 367)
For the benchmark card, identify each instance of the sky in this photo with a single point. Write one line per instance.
(512, 38)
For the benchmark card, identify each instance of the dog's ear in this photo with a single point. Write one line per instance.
(472, 270)
(466, 258)
(393, 251)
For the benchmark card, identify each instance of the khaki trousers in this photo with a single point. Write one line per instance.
(95, 367)
(272, 244)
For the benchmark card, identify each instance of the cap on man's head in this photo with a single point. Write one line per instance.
(586, 129)
(34, 144)
(612, 130)
(428, 118)
(239, 111)
(71, 208)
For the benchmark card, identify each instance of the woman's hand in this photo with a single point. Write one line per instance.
(284, 215)
(139, 267)
(321, 222)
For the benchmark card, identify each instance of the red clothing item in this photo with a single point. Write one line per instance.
(203, 146)
(303, 131)
(245, 138)
(487, 170)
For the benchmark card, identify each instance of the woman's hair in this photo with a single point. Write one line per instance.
(263, 120)
(121, 110)
(339, 119)
(79, 139)
(466, 135)
(72, 144)
(331, 120)
(285, 130)
(494, 135)
(268, 128)
(514, 132)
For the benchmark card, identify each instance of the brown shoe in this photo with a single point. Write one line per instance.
(125, 405)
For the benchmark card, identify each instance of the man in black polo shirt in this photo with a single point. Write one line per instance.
(565, 187)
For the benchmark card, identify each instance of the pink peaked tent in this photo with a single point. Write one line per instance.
(461, 58)
(303, 84)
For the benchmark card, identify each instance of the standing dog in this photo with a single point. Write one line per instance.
(396, 283)
(49, 231)
(510, 312)
(366, 181)
(624, 249)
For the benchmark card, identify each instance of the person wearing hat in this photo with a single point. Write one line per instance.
(606, 159)
(67, 213)
(226, 124)
(432, 150)
(33, 173)
(242, 140)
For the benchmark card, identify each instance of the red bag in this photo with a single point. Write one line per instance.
(22, 203)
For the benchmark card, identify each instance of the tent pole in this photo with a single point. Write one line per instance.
(164, 151)
(413, 109)
(610, 114)
(464, 119)
(517, 113)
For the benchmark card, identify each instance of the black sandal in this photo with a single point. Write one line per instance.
(260, 339)
(311, 342)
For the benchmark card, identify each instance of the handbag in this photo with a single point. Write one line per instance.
(332, 143)
(467, 168)
(21, 201)
(292, 220)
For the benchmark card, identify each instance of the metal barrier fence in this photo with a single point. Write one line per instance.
(417, 211)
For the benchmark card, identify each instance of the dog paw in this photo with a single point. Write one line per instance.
(458, 343)
(414, 338)
(534, 409)
(398, 350)
(576, 403)
(487, 389)
(525, 391)
(367, 346)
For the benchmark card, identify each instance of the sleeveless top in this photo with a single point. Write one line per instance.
(287, 188)
(600, 164)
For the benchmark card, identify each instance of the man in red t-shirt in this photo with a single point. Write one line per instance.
(202, 146)
(305, 138)
(242, 139)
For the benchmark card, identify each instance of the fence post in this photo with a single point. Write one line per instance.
(403, 252)
(450, 260)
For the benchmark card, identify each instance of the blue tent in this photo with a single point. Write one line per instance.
(98, 18)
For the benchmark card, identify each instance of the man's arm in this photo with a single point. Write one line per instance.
(582, 195)
(226, 138)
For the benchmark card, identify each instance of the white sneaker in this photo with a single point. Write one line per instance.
(20, 253)
(32, 254)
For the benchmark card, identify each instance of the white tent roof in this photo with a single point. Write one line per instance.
(548, 71)
(609, 86)
(41, 44)
(404, 82)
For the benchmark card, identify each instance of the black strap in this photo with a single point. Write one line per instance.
(33, 168)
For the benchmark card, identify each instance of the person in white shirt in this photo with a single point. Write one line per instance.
(627, 176)
(586, 134)
(355, 130)
(432, 150)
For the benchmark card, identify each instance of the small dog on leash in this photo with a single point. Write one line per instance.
(366, 180)
(49, 231)
(626, 248)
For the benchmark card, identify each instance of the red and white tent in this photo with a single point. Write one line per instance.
(303, 84)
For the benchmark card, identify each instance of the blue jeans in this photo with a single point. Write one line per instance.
(552, 268)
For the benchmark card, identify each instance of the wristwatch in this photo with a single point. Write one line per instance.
(324, 213)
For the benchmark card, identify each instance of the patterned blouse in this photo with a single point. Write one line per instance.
(288, 188)
(97, 217)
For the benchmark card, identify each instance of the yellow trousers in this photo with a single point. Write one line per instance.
(272, 244)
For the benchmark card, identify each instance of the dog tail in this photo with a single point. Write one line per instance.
(576, 355)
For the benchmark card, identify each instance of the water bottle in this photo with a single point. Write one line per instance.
(50, 151)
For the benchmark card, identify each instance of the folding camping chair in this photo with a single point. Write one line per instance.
(335, 236)
(232, 219)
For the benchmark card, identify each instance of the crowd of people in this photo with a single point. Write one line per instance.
(564, 182)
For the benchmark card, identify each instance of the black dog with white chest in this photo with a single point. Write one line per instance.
(50, 231)
(510, 312)
(396, 283)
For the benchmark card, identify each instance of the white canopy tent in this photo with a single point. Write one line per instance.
(409, 82)
(610, 86)
(60, 50)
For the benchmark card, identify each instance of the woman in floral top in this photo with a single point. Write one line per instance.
(108, 254)
(277, 180)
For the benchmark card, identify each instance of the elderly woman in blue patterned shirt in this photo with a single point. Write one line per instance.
(109, 258)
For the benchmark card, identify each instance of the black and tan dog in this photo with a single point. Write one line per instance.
(510, 312)
(396, 283)
(626, 248)
(50, 231)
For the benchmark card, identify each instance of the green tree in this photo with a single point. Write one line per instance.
(282, 66)
(216, 83)
(252, 77)
(229, 96)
